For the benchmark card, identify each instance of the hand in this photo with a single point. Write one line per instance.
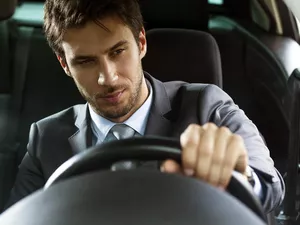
(210, 153)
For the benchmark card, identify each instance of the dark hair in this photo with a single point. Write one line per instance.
(60, 15)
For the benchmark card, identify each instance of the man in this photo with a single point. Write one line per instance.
(100, 44)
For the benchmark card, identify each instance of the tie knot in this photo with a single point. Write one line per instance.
(122, 131)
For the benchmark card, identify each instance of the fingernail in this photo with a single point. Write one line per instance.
(162, 169)
(189, 172)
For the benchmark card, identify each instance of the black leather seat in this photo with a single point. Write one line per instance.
(181, 54)
(177, 49)
(290, 209)
(40, 89)
(256, 68)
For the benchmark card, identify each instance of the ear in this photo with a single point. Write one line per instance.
(64, 65)
(142, 43)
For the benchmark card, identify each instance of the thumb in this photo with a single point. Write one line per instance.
(170, 166)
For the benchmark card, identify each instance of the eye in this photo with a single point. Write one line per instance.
(118, 51)
(86, 61)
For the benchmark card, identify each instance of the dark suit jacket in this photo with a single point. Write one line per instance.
(56, 138)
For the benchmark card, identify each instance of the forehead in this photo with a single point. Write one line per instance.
(92, 38)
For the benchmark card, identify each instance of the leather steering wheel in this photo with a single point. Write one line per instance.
(101, 157)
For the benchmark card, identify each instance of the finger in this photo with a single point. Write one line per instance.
(221, 141)
(233, 152)
(242, 161)
(170, 166)
(205, 151)
(190, 140)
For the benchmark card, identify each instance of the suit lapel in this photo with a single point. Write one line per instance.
(157, 123)
(82, 138)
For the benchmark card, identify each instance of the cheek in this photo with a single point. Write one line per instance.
(130, 66)
(85, 78)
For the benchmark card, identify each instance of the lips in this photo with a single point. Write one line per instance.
(114, 97)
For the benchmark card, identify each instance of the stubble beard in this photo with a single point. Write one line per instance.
(117, 111)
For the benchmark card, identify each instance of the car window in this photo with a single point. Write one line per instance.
(298, 24)
(294, 6)
(216, 2)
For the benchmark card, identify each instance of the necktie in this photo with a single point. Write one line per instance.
(119, 132)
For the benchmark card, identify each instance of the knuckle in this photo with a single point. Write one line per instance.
(237, 138)
(190, 137)
(210, 126)
(225, 130)
(239, 143)
(192, 140)
(193, 127)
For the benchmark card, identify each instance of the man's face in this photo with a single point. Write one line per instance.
(106, 67)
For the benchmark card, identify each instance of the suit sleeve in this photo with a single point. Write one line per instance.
(30, 176)
(217, 107)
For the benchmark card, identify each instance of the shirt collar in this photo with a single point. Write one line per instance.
(137, 121)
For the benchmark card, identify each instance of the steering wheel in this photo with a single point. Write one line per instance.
(81, 191)
(101, 157)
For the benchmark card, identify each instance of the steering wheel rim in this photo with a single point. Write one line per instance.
(101, 157)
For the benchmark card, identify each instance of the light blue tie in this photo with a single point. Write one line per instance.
(119, 132)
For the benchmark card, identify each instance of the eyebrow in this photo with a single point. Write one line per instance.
(120, 43)
(84, 57)
(81, 57)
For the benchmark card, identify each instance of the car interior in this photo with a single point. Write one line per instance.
(248, 48)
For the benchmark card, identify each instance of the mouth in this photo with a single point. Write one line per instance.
(114, 97)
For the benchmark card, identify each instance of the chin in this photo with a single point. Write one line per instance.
(114, 113)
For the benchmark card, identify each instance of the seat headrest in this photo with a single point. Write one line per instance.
(181, 54)
(7, 8)
(191, 14)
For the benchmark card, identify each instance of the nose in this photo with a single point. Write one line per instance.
(107, 75)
